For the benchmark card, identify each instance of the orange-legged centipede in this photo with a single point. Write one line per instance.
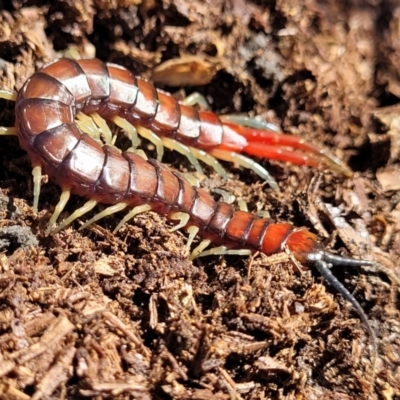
(46, 108)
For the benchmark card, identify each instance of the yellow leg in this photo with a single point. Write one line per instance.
(210, 161)
(246, 162)
(223, 250)
(153, 138)
(191, 179)
(8, 131)
(65, 194)
(196, 99)
(243, 206)
(128, 128)
(8, 95)
(140, 153)
(182, 217)
(184, 150)
(87, 125)
(199, 249)
(133, 132)
(37, 182)
(76, 214)
(135, 211)
(105, 213)
(193, 231)
(104, 128)
(227, 197)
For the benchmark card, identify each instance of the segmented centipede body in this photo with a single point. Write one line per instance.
(45, 111)
(46, 108)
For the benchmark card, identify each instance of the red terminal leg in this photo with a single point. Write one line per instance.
(268, 144)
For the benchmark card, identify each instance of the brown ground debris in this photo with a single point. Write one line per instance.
(89, 314)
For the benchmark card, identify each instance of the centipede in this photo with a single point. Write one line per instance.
(46, 111)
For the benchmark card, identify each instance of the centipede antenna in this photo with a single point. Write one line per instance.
(320, 263)
(104, 128)
(246, 162)
(345, 261)
(135, 211)
(37, 182)
(105, 213)
(350, 262)
(184, 150)
(8, 95)
(210, 161)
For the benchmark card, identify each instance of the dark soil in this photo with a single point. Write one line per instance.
(89, 314)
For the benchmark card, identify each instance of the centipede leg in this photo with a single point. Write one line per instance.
(37, 182)
(153, 138)
(104, 128)
(184, 150)
(8, 131)
(8, 95)
(246, 162)
(129, 129)
(194, 99)
(182, 217)
(269, 144)
(89, 205)
(192, 179)
(199, 249)
(222, 250)
(65, 195)
(227, 197)
(193, 231)
(87, 125)
(135, 211)
(105, 213)
(210, 161)
(245, 120)
(133, 132)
